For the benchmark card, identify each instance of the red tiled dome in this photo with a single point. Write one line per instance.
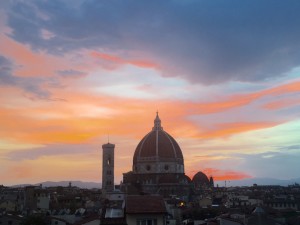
(158, 144)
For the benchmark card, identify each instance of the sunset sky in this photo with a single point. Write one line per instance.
(224, 76)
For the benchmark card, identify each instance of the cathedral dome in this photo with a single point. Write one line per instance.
(158, 152)
(200, 179)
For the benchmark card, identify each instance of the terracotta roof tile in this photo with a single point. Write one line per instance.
(136, 204)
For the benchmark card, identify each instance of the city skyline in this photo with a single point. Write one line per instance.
(223, 75)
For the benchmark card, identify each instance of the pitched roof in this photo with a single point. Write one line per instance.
(145, 204)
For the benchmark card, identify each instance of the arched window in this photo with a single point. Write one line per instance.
(148, 167)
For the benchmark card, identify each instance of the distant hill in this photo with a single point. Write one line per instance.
(80, 184)
(258, 181)
(231, 183)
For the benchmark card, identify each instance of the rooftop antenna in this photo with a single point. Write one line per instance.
(108, 137)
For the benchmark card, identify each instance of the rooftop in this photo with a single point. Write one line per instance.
(136, 204)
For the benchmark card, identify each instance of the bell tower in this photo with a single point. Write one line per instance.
(108, 167)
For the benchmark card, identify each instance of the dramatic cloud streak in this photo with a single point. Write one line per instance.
(118, 60)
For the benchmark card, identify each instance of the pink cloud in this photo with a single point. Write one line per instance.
(121, 61)
(240, 100)
(280, 104)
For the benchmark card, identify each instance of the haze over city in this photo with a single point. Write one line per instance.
(224, 77)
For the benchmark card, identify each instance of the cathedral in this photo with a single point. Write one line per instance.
(158, 167)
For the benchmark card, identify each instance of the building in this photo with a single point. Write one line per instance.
(108, 168)
(158, 167)
(145, 210)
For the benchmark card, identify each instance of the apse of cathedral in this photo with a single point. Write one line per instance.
(158, 168)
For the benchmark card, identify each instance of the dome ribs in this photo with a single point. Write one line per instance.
(158, 144)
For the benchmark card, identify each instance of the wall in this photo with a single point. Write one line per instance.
(132, 218)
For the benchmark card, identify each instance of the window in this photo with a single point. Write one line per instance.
(148, 167)
(166, 167)
(146, 222)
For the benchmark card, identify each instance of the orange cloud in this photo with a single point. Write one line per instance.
(219, 175)
(107, 57)
(244, 99)
(282, 89)
(119, 60)
(46, 124)
(212, 157)
(29, 63)
(281, 104)
(225, 130)
(83, 117)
